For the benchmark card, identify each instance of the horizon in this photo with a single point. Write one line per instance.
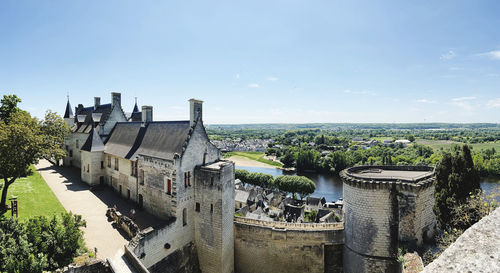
(281, 62)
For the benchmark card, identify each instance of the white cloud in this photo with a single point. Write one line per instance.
(495, 54)
(494, 103)
(254, 85)
(463, 98)
(273, 79)
(448, 55)
(463, 102)
(426, 101)
(237, 76)
(360, 92)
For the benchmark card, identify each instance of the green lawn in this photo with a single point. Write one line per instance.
(257, 156)
(446, 144)
(34, 197)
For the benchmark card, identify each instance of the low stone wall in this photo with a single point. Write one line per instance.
(477, 250)
(96, 266)
(261, 246)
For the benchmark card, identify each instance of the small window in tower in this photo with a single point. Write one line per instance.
(71, 153)
(184, 217)
(116, 164)
(88, 167)
(211, 181)
(76, 144)
(102, 164)
(109, 161)
(211, 208)
(197, 207)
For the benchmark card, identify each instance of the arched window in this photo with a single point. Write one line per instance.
(184, 217)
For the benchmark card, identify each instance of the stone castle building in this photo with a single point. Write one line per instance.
(170, 169)
(173, 171)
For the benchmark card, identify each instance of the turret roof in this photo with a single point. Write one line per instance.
(93, 142)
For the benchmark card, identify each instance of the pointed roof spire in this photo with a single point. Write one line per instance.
(136, 109)
(69, 112)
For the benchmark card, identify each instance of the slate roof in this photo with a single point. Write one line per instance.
(69, 112)
(160, 139)
(86, 126)
(241, 196)
(93, 142)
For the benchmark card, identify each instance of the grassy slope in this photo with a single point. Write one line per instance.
(257, 156)
(446, 144)
(34, 197)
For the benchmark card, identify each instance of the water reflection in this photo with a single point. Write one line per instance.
(330, 186)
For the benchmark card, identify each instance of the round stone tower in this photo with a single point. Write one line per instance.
(385, 206)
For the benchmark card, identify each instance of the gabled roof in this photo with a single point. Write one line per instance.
(160, 139)
(68, 113)
(93, 142)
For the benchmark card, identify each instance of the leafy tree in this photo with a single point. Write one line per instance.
(241, 175)
(456, 179)
(288, 159)
(40, 243)
(8, 107)
(260, 179)
(24, 140)
(295, 184)
(307, 159)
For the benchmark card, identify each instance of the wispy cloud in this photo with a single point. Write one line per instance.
(254, 85)
(463, 102)
(273, 79)
(448, 55)
(463, 98)
(426, 101)
(360, 92)
(494, 103)
(237, 76)
(494, 55)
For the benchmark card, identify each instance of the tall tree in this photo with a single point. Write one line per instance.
(24, 140)
(8, 107)
(456, 179)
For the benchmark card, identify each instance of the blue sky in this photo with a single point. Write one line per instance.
(259, 61)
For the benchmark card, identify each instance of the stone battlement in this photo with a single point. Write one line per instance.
(290, 226)
(401, 178)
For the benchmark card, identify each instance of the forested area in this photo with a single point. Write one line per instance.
(331, 150)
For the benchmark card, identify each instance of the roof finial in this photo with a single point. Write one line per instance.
(135, 100)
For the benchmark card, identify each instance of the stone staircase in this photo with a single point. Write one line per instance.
(119, 263)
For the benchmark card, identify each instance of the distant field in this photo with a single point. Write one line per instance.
(257, 156)
(34, 197)
(446, 144)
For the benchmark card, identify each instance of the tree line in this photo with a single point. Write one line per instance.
(288, 183)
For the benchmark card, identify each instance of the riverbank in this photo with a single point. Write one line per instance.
(252, 159)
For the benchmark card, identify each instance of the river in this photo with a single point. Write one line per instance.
(330, 186)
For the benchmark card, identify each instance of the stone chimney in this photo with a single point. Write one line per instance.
(97, 102)
(116, 99)
(195, 111)
(147, 114)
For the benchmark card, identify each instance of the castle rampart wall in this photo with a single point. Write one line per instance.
(261, 246)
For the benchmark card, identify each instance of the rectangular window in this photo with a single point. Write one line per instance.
(198, 207)
(169, 186)
(116, 163)
(187, 179)
(211, 181)
(67, 148)
(102, 164)
(141, 177)
(88, 167)
(71, 153)
(133, 166)
(76, 144)
(211, 208)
